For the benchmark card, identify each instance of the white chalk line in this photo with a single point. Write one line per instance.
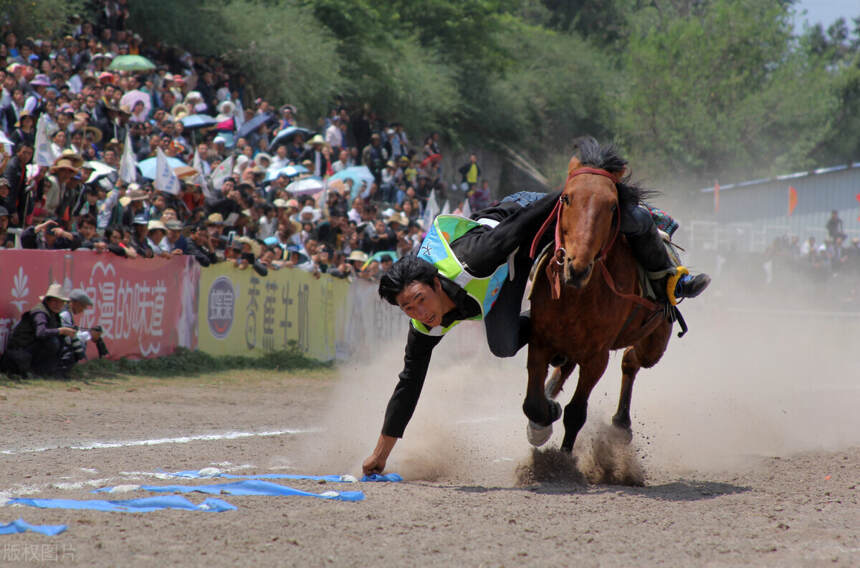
(97, 445)
(20, 489)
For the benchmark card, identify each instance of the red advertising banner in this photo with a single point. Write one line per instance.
(146, 307)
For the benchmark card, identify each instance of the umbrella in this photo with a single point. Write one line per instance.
(357, 174)
(131, 98)
(378, 255)
(100, 169)
(306, 186)
(253, 124)
(287, 134)
(147, 166)
(131, 63)
(193, 121)
(289, 171)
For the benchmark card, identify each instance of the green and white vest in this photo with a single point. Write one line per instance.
(436, 249)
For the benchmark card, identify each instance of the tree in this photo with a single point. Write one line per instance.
(723, 90)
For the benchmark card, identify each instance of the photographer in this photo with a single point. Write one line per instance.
(36, 342)
(74, 347)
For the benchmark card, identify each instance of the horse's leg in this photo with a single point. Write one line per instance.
(645, 353)
(540, 411)
(557, 379)
(577, 409)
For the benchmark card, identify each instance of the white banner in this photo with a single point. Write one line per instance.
(128, 163)
(165, 180)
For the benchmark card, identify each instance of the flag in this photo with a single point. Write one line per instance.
(716, 197)
(467, 208)
(200, 178)
(792, 200)
(222, 172)
(165, 180)
(44, 154)
(128, 163)
(858, 199)
(431, 209)
(446, 208)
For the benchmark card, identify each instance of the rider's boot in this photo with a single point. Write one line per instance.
(650, 251)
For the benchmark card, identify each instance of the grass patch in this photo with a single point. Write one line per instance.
(185, 362)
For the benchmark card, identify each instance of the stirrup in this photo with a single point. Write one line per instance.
(672, 282)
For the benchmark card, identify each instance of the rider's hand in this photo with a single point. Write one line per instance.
(96, 335)
(373, 464)
(376, 462)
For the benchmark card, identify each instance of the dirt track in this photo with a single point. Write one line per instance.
(461, 504)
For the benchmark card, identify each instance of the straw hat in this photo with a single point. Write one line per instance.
(69, 154)
(399, 218)
(179, 108)
(317, 139)
(94, 132)
(63, 164)
(256, 249)
(155, 225)
(358, 255)
(55, 290)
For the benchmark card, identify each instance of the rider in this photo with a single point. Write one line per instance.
(478, 269)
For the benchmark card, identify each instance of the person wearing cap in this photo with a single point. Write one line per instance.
(175, 241)
(74, 347)
(320, 159)
(375, 156)
(35, 103)
(134, 203)
(25, 129)
(21, 201)
(60, 184)
(155, 238)
(34, 344)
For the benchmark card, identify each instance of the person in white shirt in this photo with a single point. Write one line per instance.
(333, 135)
(155, 239)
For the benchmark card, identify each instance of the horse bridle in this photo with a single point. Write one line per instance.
(560, 253)
(555, 215)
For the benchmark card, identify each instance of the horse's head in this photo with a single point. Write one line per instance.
(587, 220)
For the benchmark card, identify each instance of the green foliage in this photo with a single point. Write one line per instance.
(285, 53)
(691, 89)
(41, 18)
(186, 363)
(716, 92)
(556, 90)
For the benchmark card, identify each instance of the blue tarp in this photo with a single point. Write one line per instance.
(252, 487)
(21, 525)
(143, 505)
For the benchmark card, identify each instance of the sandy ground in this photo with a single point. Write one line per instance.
(747, 446)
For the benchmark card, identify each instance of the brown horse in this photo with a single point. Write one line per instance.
(597, 308)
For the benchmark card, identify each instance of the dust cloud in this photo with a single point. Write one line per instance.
(743, 384)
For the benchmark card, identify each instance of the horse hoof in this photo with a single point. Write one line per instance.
(538, 435)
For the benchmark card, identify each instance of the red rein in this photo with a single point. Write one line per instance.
(554, 272)
(555, 214)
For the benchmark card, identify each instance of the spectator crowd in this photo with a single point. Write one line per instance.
(86, 119)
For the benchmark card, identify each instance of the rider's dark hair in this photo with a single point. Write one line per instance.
(404, 272)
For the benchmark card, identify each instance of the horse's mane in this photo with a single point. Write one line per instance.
(606, 157)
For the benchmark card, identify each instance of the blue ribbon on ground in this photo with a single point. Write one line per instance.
(21, 525)
(143, 505)
(393, 477)
(251, 487)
